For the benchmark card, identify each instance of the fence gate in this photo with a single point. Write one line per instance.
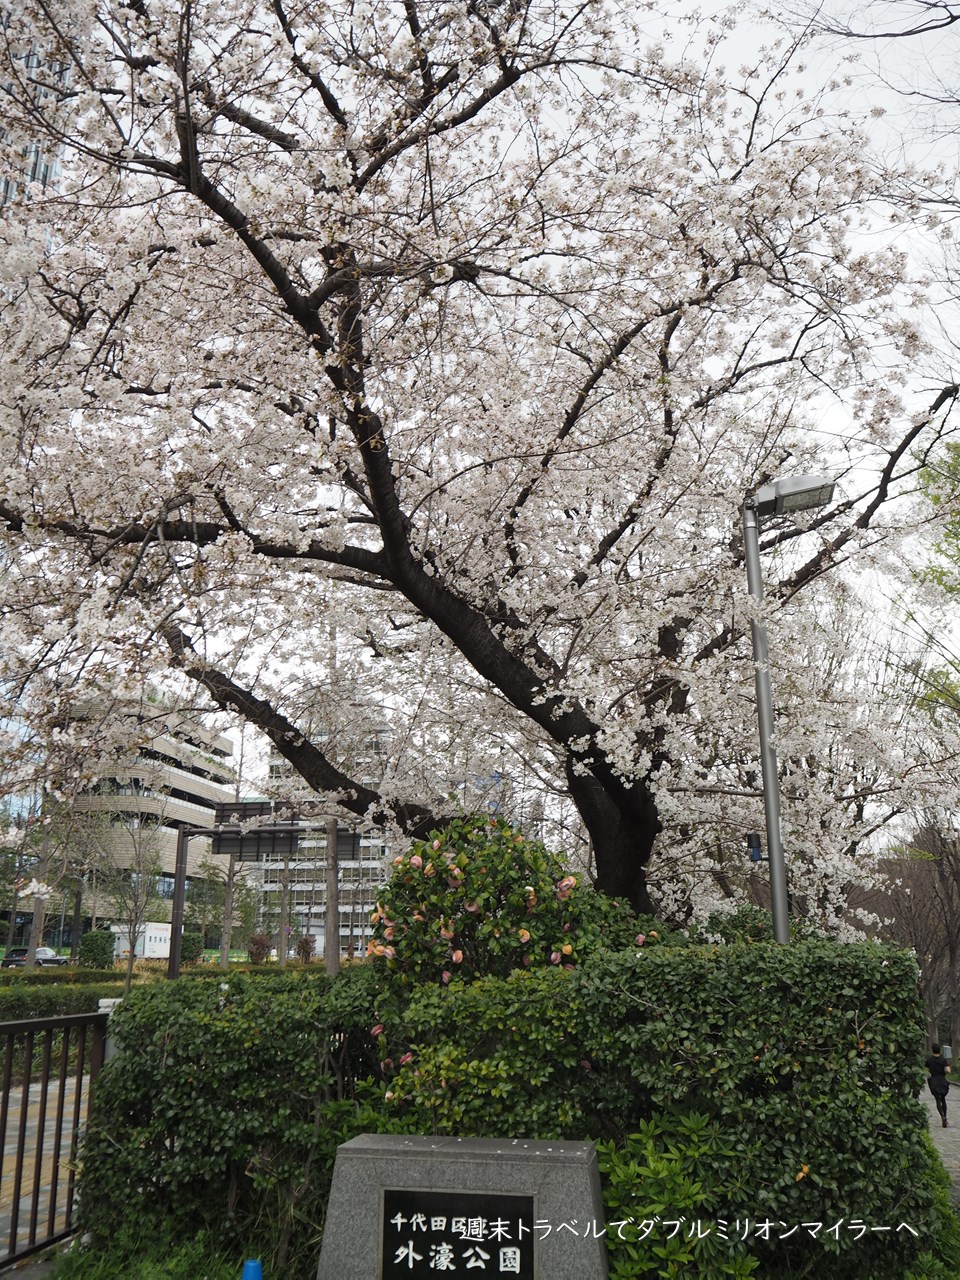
(48, 1067)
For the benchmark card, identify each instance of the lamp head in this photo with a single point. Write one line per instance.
(792, 493)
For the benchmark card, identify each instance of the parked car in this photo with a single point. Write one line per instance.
(16, 957)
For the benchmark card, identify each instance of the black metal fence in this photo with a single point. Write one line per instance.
(48, 1067)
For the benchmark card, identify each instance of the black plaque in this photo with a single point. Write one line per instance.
(429, 1233)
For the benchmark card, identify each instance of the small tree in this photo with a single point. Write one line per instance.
(131, 885)
(258, 947)
(246, 909)
(306, 947)
(204, 908)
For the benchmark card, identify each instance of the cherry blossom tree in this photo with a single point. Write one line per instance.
(401, 368)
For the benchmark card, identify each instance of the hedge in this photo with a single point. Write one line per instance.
(223, 1107)
(806, 1059)
(56, 976)
(97, 949)
(746, 1083)
(33, 1001)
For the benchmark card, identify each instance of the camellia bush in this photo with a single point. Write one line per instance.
(479, 899)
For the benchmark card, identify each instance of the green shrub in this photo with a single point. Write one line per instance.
(191, 948)
(807, 1057)
(669, 1169)
(127, 1257)
(51, 977)
(96, 949)
(739, 1083)
(32, 1000)
(944, 1263)
(746, 923)
(222, 1109)
(479, 899)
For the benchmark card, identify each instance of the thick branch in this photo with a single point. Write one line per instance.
(307, 759)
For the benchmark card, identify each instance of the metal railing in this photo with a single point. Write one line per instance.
(49, 1065)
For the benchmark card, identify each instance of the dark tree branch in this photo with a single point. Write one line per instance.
(305, 756)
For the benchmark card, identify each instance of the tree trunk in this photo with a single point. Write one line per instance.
(12, 926)
(284, 914)
(226, 935)
(331, 920)
(36, 932)
(623, 825)
(76, 921)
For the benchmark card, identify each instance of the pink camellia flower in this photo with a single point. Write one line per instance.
(374, 917)
(436, 844)
(526, 962)
(473, 907)
(457, 957)
(567, 927)
(388, 934)
(446, 975)
(524, 935)
(377, 1030)
(569, 966)
(389, 952)
(398, 860)
(446, 933)
(640, 939)
(555, 957)
(407, 1057)
(386, 1064)
(565, 886)
(585, 1064)
(416, 861)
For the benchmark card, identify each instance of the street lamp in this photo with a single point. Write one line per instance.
(796, 493)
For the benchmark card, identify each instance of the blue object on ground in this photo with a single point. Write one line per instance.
(252, 1270)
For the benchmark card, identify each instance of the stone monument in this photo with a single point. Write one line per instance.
(419, 1207)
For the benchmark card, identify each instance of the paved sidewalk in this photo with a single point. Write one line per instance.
(32, 1270)
(947, 1141)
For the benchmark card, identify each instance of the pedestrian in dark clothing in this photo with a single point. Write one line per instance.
(939, 1068)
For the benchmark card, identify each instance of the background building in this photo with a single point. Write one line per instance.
(362, 856)
(176, 780)
(361, 867)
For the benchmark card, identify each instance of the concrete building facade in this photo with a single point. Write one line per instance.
(176, 781)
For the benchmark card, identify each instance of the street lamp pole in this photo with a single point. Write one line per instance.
(796, 494)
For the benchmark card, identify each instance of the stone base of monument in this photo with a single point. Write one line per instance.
(416, 1207)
